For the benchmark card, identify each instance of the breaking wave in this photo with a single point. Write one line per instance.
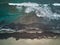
(41, 10)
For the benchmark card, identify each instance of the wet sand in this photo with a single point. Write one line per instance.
(12, 41)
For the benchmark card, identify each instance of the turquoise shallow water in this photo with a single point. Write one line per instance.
(5, 9)
(6, 14)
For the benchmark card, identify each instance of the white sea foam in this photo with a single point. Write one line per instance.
(56, 4)
(24, 4)
(32, 4)
(41, 10)
(29, 9)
